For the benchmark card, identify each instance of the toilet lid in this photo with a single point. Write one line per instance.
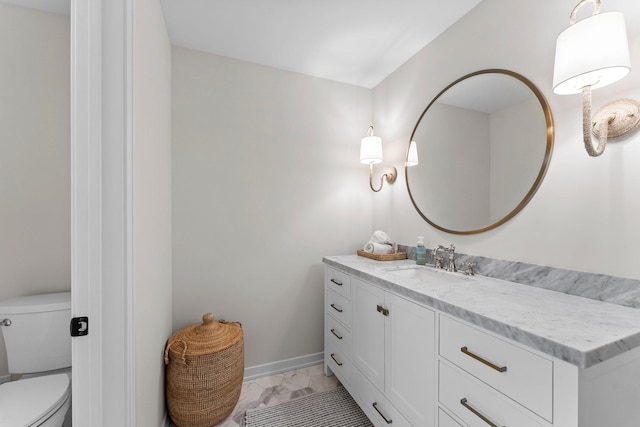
(24, 402)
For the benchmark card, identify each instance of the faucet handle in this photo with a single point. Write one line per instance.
(468, 271)
(452, 247)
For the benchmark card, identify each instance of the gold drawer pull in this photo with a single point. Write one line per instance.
(387, 420)
(486, 362)
(384, 311)
(336, 282)
(339, 310)
(335, 360)
(333, 331)
(464, 403)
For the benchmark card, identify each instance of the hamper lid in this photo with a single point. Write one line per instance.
(207, 337)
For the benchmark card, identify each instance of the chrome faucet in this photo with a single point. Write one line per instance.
(437, 261)
(452, 264)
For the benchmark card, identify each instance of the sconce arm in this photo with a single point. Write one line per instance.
(587, 126)
(574, 12)
(390, 174)
(613, 120)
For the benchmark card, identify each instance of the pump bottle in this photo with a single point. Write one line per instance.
(421, 252)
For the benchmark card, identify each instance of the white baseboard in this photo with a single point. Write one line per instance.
(278, 367)
(5, 378)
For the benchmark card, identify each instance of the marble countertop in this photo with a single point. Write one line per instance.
(578, 330)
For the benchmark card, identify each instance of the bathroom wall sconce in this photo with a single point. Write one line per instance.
(591, 54)
(412, 156)
(371, 153)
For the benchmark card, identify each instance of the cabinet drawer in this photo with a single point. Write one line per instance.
(526, 377)
(339, 307)
(340, 364)
(338, 336)
(457, 389)
(444, 420)
(338, 281)
(379, 410)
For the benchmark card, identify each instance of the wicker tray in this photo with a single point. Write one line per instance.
(383, 257)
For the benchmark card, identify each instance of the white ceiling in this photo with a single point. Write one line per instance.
(353, 41)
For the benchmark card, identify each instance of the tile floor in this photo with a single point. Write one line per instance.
(279, 388)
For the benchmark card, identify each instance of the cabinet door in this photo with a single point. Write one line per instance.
(367, 340)
(410, 360)
(444, 420)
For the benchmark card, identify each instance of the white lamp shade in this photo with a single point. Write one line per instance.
(371, 150)
(593, 51)
(412, 157)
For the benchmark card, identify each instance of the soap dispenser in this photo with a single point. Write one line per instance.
(421, 252)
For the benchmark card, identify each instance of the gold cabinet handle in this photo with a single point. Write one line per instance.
(333, 331)
(339, 310)
(336, 282)
(387, 420)
(464, 403)
(480, 359)
(335, 360)
(384, 311)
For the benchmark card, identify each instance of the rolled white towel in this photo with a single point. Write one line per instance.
(380, 237)
(377, 248)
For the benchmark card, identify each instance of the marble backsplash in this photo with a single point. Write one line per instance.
(616, 290)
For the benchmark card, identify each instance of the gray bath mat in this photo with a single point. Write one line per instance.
(335, 408)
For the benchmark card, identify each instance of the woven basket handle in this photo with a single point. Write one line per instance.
(184, 351)
(233, 323)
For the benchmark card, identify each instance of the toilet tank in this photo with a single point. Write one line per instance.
(38, 338)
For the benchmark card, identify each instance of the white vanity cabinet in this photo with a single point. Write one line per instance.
(408, 364)
(487, 380)
(337, 325)
(520, 375)
(391, 354)
(370, 314)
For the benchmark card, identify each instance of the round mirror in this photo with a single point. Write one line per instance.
(484, 145)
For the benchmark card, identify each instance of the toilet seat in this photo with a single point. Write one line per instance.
(31, 401)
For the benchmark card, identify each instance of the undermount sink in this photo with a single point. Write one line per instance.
(428, 273)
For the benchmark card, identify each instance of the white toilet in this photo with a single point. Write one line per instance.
(36, 335)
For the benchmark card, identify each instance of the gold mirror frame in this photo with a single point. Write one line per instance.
(543, 168)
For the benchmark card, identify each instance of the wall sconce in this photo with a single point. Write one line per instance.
(412, 155)
(591, 54)
(371, 152)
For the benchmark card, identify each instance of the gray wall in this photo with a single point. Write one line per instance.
(585, 214)
(266, 181)
(35, 169)
(152, 206)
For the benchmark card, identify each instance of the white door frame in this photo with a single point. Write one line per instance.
(102, 212)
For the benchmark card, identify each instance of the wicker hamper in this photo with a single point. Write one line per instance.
(205, 367)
